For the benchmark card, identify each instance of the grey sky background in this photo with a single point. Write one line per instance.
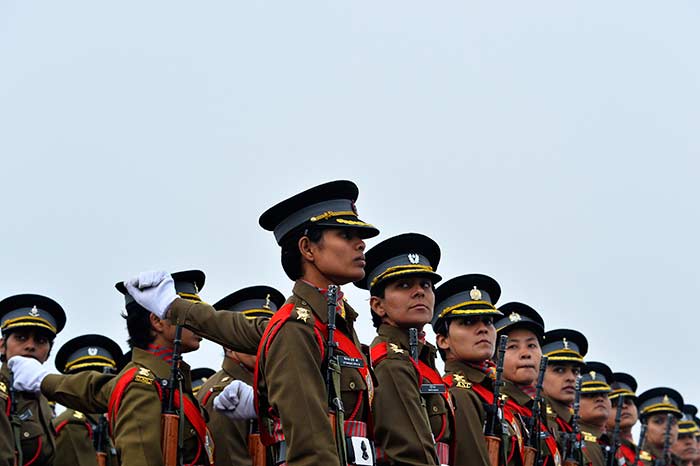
(551, 145)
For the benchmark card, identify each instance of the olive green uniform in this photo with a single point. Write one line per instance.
(292, 380)
(557, 409)
(230, 437)
(75, 434)
(470, 445)
(649, 455)
(406, 423)
(36, 431)
(594, 450)
(137, 428)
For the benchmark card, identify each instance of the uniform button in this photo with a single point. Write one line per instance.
(192, 432)
(303, 303)
(435, 409)
(352, 385)
(26, 434)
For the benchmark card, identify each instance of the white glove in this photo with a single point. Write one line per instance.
(236, 401)
(27, 373)
(154, 291)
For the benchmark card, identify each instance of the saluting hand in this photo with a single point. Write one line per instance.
(153, 290)
(236, 401)
(27, 373)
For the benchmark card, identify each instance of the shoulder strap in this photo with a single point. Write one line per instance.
(115, 399)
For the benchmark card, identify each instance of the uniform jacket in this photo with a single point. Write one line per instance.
(75, 433)
(291, 379)
(230, 437)
(470, 445)
(37, 433)
(592, 438)
(405, 423)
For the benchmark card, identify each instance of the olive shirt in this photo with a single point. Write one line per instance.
(36, 431)
(230, 437)
(137, 428)
(470, 445)
(292, 379)
(650, 453)
(75, 434)
(594, 449)
(404, 430)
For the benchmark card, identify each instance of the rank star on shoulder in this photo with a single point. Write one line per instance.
(303, 314)
(395, 348)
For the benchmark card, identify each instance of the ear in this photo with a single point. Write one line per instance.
(304, 245)
(443, 342)
(377, 305)
(158, 325)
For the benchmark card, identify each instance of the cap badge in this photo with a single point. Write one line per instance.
(196, 289)
(592, 375)
(566, 343)
(92, 351)
(267, 301)
(666, 400)
(475, 294)
(515, 317)
(34, 312)
(413, 258)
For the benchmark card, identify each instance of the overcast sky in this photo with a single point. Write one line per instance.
(551, 145)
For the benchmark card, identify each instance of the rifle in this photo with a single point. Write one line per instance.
(99, 439)
(665, 457)
(611, 451)
(492, 429)
(336, 411)
(16, 422)
(171, 440)
(532, 449)
(256, 449)
(573, 440)
(640, 445)
(413, 343)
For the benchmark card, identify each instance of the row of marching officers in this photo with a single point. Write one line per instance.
(296, 386)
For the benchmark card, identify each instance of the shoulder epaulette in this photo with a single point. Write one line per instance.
(78, 415)
(645, 455)
(3, 389)
(144, 376)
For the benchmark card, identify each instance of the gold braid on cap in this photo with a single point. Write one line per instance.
(400, 270)
(107, 362)
(594, 387)
(661, 407)
(190, 296)
(331, 213)
(456, 308)
(27, 321)
(620, 391)
(247, 312)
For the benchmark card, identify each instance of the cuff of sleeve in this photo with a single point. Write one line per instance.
(50, 384)
(179, 311)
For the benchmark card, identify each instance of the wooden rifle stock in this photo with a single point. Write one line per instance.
(256, 449)
(169, 443)
(493, 447)
(529, 455)
(101, 458)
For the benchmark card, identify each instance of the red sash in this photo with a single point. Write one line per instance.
(191, 410)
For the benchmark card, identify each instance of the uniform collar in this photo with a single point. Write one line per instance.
(597, 431)
(516, 394)
(400, 336)
(560, 409)
(160, 368)
(310, 295)
(472, 374)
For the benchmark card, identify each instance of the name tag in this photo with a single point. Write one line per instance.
(432, 388)
(355, 363)
(27, 414)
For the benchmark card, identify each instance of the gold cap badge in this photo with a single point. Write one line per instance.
(267, 301)
(34, 312)
(475, 294)
(515, 317)
(566, 343)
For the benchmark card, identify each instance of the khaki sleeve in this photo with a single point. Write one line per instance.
(7, 444)
(230, 437)
(297, 390)
(470, 444)
(87, 391)
(137, 428)
(401, 425)
(230, 329)
(74, 447)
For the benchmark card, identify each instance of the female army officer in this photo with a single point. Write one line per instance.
(29, 324)
(660, 409)
(412, 412)
(322, 242)
(466, 339)
(525, 330)
(623, 391)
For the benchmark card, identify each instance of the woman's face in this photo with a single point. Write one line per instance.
(656, 430)
(30, 342)
(628, 416)
(338, 255)
(190, 341)
(595, 408)
(560, 382)
(521, 362)
(470, 339)
(685, 447)
(407, 302)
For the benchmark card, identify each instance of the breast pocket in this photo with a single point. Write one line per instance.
(437, 409)
(32, 436)
(353, 388)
